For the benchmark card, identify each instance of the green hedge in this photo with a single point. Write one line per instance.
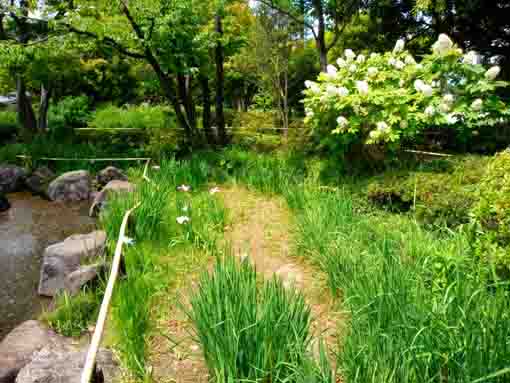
(132, 117)
(439, 198)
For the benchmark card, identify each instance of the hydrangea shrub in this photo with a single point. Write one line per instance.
(384, 98)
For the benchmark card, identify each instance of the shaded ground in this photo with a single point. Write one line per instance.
(259, 229)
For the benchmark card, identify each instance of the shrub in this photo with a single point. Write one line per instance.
(492, 211)
(386, 98)
(141, 117)
(256, 130)
(8, 124)
(70, 112)
(440, 199)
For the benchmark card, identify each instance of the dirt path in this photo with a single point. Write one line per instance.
(260, 230)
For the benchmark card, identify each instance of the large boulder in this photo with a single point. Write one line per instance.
(63, 363)
(111, 188)
(110, 173)
(12, 178)
(71, 186)
(39, 180)
(63, 258)
(80, 277)
(4, 203)
(20, 345)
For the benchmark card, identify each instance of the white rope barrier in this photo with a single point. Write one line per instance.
(90, 362)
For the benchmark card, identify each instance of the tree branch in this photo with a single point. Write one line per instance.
(272, 5)
(109, 41)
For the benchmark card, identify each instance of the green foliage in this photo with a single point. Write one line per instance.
(143, 117)
(72, 316)
(70, 112)
(385, 99)
(421, 308)
(132, 306)
(252, 333)
(8, 124)
(491, 213)
(439, 198)
(255, 129)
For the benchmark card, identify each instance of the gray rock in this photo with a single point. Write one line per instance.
(111, 188)
(63, 258)
(78, 278)
(12, 178)
(39, 180)
(20, 345)
(111, 173)
(63, 363)
(71, 186)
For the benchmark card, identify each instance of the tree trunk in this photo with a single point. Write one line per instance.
(26, 116)
(220, 83)
(42, 124)
(184, 87)
(320, 39)
(206, 114)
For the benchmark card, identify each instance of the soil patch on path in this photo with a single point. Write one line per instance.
(261, 229)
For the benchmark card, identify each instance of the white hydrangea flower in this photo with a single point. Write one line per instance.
(399, 46)
(448, 98)
(353, 68)
(341, 63)
(392, 61)
(443, 44)
(477, 105)
(401, 83)
(430, 111)
(444, 107)
(374, 55)
(418, 85)
(492, 73)
(403, 124)
(374, 134)
(331, 90)
(342, 121)
(427, 90)
(372, 71)
(182, 219)
(399, 65)
(451, 119)
(362, 87)
(472, 58)
(309, 113)
(383, 127)
(409, 60)
(349, 54)
(419, 66)
(342, 91)
(360, 59)
(309, 84)
(331, 71)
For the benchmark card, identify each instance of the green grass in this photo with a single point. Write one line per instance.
(72, 316)
(422, 306)
(251, 332)
(158, 237)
